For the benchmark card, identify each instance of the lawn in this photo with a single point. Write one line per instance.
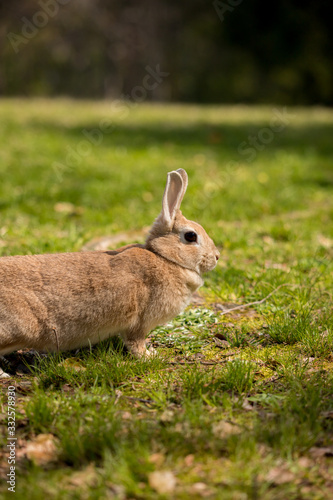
(238, 404)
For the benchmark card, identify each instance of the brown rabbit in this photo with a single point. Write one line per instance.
(58, 302)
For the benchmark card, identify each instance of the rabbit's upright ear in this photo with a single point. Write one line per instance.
(184, 176)
(173, 195)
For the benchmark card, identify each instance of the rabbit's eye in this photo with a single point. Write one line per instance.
(190, 236)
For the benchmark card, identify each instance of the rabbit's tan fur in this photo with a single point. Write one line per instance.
(59, 302)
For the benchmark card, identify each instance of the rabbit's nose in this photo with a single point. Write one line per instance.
(217, 256)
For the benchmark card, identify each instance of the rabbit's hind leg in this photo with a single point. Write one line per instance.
(8, 344)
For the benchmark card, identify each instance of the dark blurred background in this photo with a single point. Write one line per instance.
(247, 51)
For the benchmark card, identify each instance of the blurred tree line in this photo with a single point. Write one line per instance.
(216, 51)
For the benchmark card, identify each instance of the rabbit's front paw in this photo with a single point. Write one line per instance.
(3, 374)
(5, 363)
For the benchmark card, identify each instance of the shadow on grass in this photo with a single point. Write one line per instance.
(29, 361)
(236, 143)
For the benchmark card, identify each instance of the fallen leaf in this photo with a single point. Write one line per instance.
(327, 414)
(157, 459)
(85, 477)
(73, 364)
(318, 452)
(189, 460)
(305, 462)
(42, 449)
(167, 416)
(126, 415)
(200, 489)
(246, 405)
(116, 489)
(222, 344)
(67, 388)
(324, 241)
(162, 482)
(279, 475)
(68, 208)
(223, 429)
(309, 360)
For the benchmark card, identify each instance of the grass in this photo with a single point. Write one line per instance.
(235, 406)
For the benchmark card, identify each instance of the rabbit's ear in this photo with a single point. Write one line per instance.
(184, 176)
(174, 192)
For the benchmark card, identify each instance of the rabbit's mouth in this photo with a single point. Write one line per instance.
(208, 263)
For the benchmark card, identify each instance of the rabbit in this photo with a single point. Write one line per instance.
(59, 302)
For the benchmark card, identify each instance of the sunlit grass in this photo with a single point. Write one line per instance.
(235, 405)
